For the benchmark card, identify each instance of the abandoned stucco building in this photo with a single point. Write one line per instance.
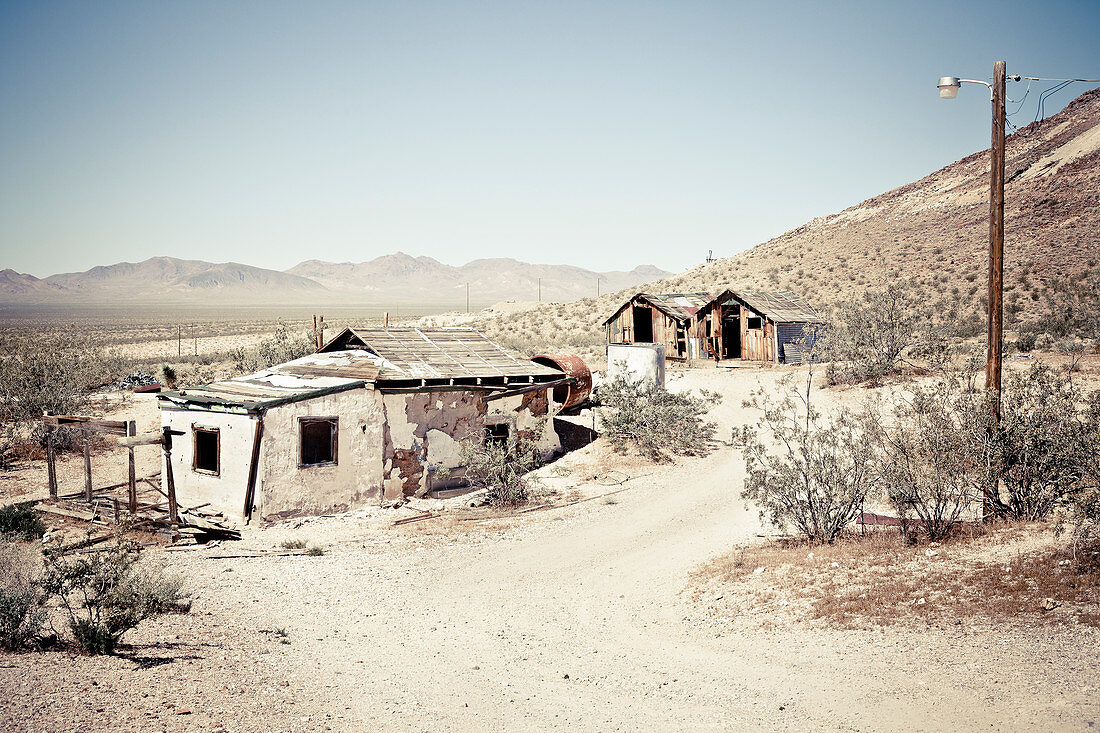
(742, 324)
(375, 414)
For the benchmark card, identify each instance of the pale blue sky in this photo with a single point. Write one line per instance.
(598, 134)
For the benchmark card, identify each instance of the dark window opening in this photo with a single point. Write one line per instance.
(207, 451)
(318, 441)
(497, 434)
(755, 323)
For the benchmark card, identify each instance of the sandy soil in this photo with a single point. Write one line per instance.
(571, 618)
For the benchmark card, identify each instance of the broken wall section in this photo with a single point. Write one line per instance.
(425, 431)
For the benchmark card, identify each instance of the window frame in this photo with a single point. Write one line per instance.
(195, 430)
(489, 438)
(335, 435)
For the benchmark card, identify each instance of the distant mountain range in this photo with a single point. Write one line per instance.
(396, 278)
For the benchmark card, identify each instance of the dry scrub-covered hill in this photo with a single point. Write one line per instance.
(934, 231)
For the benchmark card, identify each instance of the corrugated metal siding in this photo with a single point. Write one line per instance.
(790, 351)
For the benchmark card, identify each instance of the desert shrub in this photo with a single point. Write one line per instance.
(109, 592)
(866, 339)
(9, 441)
(1042, 443)
(54, 373)
(1027, 337)
(930, 456)
(1084, 498)
(22, 598)
(21, 521)
(168, 375)
(280, 347)
(658, 423)
(869, 339)
(1072, 308)
(818, 479)
(500, 468)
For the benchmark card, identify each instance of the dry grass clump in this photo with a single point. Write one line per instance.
(1010, 573)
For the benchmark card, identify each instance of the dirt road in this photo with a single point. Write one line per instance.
(574, 618)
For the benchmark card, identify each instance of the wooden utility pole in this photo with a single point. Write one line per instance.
(179, 340)
(597, 287)
(996, 242)
(996, 269)
(540, 289)
(467, 297)
(195, 339)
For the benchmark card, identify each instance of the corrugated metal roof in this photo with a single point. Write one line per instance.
(309, 376)
(680, 307)
(445, 353)
(781, 307)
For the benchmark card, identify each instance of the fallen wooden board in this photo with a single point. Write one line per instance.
(409, 520)
(78, 545)
(287, 553)
(50, 509)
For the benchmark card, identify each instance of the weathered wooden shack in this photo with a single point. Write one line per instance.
(375, 414)
(668, 319)
(746, 324)
(758, 326)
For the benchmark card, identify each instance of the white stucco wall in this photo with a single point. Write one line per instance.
(388, 446)
(287, 490)
(226, 491)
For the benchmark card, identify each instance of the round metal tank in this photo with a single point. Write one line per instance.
(568, 395)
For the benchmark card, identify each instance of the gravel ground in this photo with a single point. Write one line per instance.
(578, 617)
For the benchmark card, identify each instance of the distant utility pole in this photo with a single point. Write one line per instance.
(179, 340)
(597, 286)
(195, 338)
(467, 297)
(540, 289)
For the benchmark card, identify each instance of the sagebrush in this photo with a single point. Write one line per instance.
(106, 593)
(655, 421)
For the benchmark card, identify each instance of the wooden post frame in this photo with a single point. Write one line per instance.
(51, 467)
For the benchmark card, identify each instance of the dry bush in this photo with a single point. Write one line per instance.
(658, 423)
(903, 325)
(501, 468)
(930, 456)
(1045, 442)
(21, 521)
(106, 593)
(819, 478)
(881, 579)
(22, 598)
(52, 373)
(280, 347)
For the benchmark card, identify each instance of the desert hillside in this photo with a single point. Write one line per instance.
(934, 231)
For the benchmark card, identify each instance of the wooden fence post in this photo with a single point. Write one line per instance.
(87, 466)
(133, 484)
(173, 509)
(50, 466)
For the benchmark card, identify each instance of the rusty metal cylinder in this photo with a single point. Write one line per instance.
(568, 395)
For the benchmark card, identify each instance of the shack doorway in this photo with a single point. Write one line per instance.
(731, 337)
(643, 325)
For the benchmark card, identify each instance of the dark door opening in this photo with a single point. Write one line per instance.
(643, 325)
(731, 338)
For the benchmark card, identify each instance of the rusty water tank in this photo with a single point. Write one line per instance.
(568, 395)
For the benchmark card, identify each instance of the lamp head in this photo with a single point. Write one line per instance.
(949, 87)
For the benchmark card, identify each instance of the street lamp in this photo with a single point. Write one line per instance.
(949, 89)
